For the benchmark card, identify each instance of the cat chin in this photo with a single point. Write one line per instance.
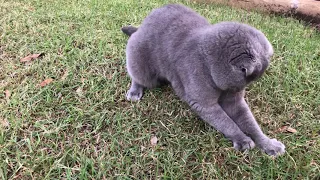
(236, 89)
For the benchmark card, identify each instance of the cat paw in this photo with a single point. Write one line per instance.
(134, 95)
(273, 148)
(243, 144)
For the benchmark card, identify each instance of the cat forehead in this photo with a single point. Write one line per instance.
(258, 43)
(262, 47)
(244, 34)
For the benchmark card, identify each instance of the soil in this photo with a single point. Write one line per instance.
(307, 10)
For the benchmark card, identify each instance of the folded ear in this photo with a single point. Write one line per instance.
(129, 30)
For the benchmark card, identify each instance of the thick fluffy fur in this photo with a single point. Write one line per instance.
(207, 65)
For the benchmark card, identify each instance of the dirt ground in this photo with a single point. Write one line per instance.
(307, 10)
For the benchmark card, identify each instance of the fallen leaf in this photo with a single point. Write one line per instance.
(228, 149)
(98, 138)
(65, 74)
(154, 140)
(83, 79)
(79, 91)
(289, 129)
(4, 123)
(46, 82)
(59, 95)
(109, 76)
(313, 163)
(30, 57)
(142, 148)
(282, 129)
(8, 94)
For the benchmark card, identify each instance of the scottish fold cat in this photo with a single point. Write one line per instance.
(208, 66)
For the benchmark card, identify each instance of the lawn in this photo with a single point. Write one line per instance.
(80, 126)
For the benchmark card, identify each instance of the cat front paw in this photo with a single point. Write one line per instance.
(243, 144)
(134, 95)
(273, 147)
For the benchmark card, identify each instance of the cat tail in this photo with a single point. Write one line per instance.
(129, 30)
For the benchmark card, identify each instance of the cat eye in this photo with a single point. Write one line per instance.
(244, 70)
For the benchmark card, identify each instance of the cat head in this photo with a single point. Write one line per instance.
(237, 54)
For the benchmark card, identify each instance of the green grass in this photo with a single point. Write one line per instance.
(81, 127)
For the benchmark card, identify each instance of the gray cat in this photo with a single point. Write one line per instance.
(208, 66)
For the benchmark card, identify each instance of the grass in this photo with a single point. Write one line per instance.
(81, 127)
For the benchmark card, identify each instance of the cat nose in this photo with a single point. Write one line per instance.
(249, 71)
(254, 70)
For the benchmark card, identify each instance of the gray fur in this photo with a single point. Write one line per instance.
(208, 67)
